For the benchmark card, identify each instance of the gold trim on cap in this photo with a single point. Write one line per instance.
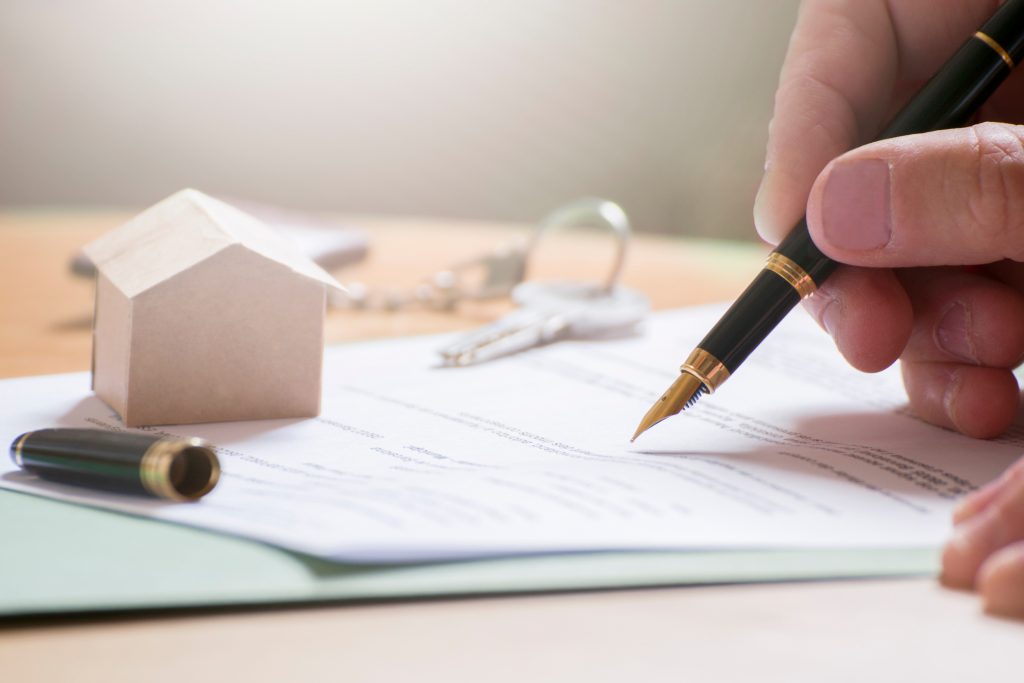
(990, 41)
(16, 451)
(705, 367)
(790, 271)
(155, 468)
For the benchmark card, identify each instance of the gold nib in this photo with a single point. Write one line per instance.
(683, 392)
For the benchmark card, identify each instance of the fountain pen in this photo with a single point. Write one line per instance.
(796, 267)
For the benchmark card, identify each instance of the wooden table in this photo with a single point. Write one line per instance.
(894, 630)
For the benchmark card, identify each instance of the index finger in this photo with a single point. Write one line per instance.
(846, 59)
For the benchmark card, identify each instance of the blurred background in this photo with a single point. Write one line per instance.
(495, 109)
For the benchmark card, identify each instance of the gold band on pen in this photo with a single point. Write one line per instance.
(155, 470)
(790, 271)
(990, 41)
(16, 451)
(705, 367)
(157, 475)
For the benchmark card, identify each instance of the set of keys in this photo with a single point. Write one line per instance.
(548, 311)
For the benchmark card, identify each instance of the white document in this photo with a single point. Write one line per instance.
(412, 462)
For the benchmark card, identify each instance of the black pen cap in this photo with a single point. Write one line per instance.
(172, 468)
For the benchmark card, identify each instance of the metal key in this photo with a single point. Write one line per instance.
(548, 312)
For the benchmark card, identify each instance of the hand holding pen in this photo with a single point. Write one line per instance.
(907, 213)
(948, 99)
(920, 204)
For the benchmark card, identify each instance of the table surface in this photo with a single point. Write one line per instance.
(886, 630)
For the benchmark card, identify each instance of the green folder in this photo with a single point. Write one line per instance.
(59, 558)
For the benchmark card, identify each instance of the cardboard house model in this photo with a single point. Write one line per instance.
(204, 314)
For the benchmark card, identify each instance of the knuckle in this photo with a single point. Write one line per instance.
(994, 203)
(819, 110)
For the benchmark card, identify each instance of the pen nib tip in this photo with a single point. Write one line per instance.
(683, 393)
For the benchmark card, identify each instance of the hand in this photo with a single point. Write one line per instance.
(907, 215)
(924, 204)
(987, 548)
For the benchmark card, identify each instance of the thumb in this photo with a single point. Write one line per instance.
(951, 197)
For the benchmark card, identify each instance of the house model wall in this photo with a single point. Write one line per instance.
(204, 314)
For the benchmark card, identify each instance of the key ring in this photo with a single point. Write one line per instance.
(590, 211)
(549, 310)
(498, 271)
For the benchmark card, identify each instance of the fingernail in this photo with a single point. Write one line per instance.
(952, 393)
(826, 309)
(957, 569)
(977, 500)
(830, 318)
(953, 334)
(959, 542)
(1000, 584)
(974, 501)
(855, 206)
(964, 508)
(761, 212)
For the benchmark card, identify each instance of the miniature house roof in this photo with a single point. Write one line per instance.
(183, 230)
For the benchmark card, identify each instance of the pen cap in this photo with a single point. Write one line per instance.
(178, 469)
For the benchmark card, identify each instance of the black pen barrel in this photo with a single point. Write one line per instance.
(762, 306)
(952, 96)
(139, 464)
